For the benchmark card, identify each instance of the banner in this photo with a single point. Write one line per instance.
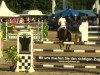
(66, 59)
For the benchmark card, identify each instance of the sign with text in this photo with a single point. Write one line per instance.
(66, 59)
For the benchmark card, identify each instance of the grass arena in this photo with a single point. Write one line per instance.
(49, 59)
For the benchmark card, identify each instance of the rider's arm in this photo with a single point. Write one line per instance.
(65, 21)
(58, 22)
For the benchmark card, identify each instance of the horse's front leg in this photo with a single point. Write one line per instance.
(60, 44)
(63, 43)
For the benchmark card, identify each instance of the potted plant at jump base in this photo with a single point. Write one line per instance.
(77, 37)
(12, 56)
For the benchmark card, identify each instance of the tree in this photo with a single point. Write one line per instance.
(80, 4)
(13, 5)
(46, 5)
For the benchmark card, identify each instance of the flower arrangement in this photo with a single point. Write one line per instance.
(77, 37)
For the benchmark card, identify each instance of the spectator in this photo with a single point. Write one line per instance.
(84, 30)
(14, 20)
(22, 20)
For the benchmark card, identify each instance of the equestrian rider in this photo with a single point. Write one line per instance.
(62, 23)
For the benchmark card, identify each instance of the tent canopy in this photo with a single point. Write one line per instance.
(70, 13)
(90, 13)
(32, 12)
(5, 12)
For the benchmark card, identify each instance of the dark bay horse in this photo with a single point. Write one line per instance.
(64, 35)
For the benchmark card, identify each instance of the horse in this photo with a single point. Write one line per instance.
(64, 35)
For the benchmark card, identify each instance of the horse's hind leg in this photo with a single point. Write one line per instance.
(67, 47)
(60, 46)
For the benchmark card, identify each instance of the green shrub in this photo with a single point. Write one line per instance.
(12, 53)
(77, 35)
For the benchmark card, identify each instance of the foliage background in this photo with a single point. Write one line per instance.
(45, 5)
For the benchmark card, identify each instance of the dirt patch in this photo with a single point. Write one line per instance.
(5, 65)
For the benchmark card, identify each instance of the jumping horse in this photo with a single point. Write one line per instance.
(63, 36)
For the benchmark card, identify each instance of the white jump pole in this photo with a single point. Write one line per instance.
(6, 32)
(0, 42)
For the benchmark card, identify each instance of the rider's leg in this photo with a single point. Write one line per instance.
(58, 32)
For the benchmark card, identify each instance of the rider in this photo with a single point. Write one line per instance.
(62, 23)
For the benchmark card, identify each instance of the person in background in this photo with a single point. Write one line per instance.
(22, 20)
(27, 19)
(14, 20)
(83, 28)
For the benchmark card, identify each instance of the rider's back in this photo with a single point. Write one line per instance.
(62, 21)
